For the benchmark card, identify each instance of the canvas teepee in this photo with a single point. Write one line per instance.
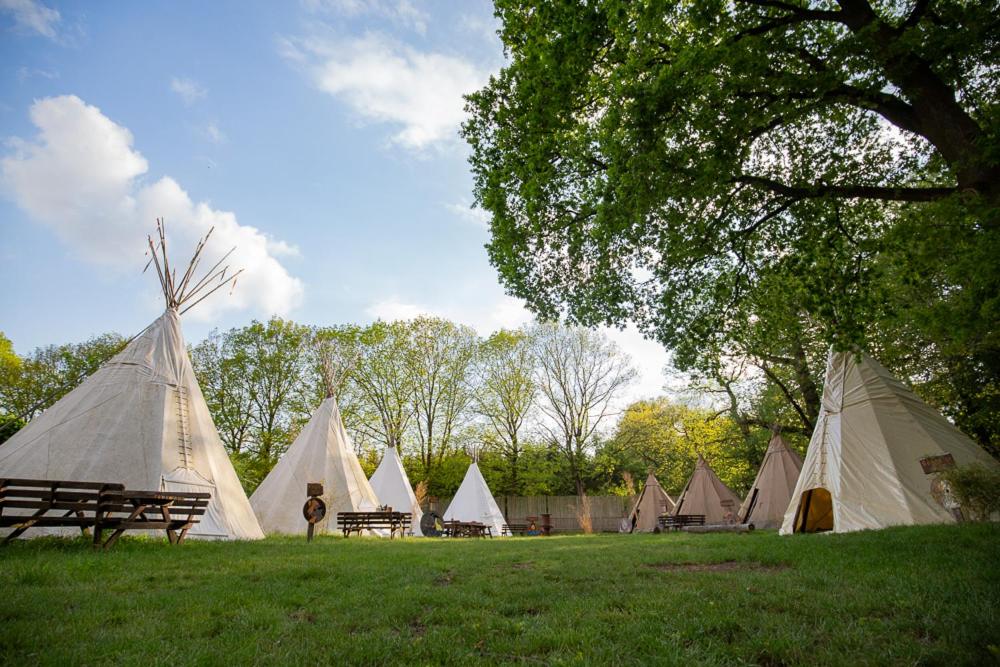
(862, 469)
(771, 491)
(392, 487)
(706, 494)
(321, 453)
(649, 506)
(474, 502)
(141, 419)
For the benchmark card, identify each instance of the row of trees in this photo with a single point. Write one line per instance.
(539, 405)
(427, 386)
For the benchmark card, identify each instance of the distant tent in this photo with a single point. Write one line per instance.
(322, 453)
(474, 502)
(141, 420)
(392, 487)
(649, 506)
(863, 467)
(706, 494)
(768, 498)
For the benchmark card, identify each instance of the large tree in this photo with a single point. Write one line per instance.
(721, 171)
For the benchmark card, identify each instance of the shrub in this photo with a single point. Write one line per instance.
(977, 488)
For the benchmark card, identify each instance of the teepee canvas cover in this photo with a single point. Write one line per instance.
(649, 506)
(322, 453)
(392, 487)
(862, 469)
(141, 420)
(474, 502)
(706, 494)
(768, 498)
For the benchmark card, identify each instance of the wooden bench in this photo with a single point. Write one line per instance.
(678, 521)
(467, 529)
(514, 529)
(98, 506)
(355, 522)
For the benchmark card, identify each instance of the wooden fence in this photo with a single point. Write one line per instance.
(606, 512)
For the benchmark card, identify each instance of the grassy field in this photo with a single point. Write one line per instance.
(928, 595)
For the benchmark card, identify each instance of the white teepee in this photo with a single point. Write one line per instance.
(474, 502)
(141, 421)
(322, 453)
(771, 491)
(652, 503)
(863, 467)
(392, 487)
(705, 494)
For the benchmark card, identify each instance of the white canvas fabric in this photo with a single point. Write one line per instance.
(706, 494)
(322, 453)
(652, 503)
(771, 491)
(392, 487)
(474, 502)
(141, 421)
(863, 462)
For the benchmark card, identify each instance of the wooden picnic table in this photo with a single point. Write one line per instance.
(355, 522)
(467, 529)
(96, 505)
(678, 521)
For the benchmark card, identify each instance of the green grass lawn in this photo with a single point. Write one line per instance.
(927, 595)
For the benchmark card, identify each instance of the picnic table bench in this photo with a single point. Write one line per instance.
(678, 521)
(467, 529)
(355, 522)
(97, 506)
(514, 529)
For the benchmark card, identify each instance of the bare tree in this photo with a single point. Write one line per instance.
(506, 392)
(440, 361)
(579, 372)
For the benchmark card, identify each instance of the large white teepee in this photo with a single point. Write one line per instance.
(141, 421)
(768, 498)
(392, 487)
(863, 467)
(474, 502)
(322, 453)
(649, 506)
(706, 494)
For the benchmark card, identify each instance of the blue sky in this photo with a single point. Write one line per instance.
(319, 137)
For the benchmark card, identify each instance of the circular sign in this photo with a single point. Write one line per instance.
(430, 524)
(314, 510)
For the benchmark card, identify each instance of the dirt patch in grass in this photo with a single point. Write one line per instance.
(724, 566)
(302, 616)
(417, 628)
(444, 579)
(522, 566)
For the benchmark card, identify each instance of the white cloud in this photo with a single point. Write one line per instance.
(214, 134)
(81, 177)
(387, 82)
(25, 73)
(400, 12)
(33, 16)
(189, 90)
(475, 215)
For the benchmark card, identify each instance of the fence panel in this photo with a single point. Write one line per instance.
(606, 512)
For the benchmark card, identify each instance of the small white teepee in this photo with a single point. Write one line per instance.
(862, 469)
(392, 487)
(474, 502)
(771, 491)
(321, 453)
(705, 494)
(141, 419)
(649, 506)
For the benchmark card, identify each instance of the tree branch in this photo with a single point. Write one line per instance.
(883, 193)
